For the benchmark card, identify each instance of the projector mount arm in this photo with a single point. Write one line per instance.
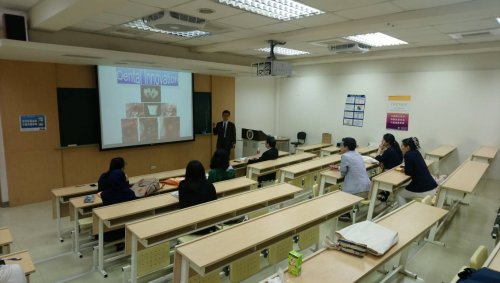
(272, 44)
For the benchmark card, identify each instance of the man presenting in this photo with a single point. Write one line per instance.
(226, 132)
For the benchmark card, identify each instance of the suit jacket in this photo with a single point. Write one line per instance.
(230, 139)
(269, 154)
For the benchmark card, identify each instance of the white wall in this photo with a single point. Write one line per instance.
(454, 100)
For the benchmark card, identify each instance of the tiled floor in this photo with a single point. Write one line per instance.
(33, 228)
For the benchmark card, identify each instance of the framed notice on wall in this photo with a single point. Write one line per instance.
(398, 113)
(30, 123)
(354, 112)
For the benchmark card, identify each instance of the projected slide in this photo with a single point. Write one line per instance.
(144, 106)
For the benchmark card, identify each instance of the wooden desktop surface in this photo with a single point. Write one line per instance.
(442, 151)
(312, 164)
(5, 236)
(148, 231)
(466, 177)
(366, 150)
(215, 250)
(74, 190)
(233, 185)
(409, 221)
(395, 177)
(312, 147)
(331, 149)
(268, 164)
(25, 261)
(493, 261)
(238, 162)
(486, 152)
(336, 173)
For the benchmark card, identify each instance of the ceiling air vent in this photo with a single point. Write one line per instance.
(174, 21)
(475, 34)
(349, 48)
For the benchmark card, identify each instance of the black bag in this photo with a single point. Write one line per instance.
(483, 275)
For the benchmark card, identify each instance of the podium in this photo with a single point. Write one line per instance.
(253, 140)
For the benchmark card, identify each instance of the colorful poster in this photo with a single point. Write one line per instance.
(354, 111)
(29, 123)
(398, 113)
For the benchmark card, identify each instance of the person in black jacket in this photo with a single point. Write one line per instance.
(226, 133)
(389, 155)
(115, 189)
(270, 154)
(422, 183)
(195, 189)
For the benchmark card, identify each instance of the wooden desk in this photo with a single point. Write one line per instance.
(493, 261)
(312, 148)
(439, 153)
(240, 164)
(61, 196)
(387, 181)
(325, 151)
(410, 221)
(366, 150)
(283, 144)
(170, 226)
(25, 262)
(461, 182)
(214, 251)
(5, 240)
(265, 167)
(303, 168)
(334, 177)
(485, 154)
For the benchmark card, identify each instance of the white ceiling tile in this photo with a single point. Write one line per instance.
(90, 26)
(164, 37)
(466, 26)
(111, 19)
(134, 10)
(193, 42)
(221, 11)
(423, 4)
(164, 4)
(18, 5)
(247, 20)
(219, 38)
(280, 27)
(369, 11)
(435, 43)
(337, 5)
(320, 20)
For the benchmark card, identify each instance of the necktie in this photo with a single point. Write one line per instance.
(225, 126)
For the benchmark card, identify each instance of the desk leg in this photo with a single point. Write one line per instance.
(322, 186)
(435, 164)
(133, 259)
(432, 234)
(101, 249)
(184, 270)
(283, 177)
(373, 199)
(76, 234)
(58, 219)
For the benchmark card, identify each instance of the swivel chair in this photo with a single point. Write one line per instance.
(301, 139)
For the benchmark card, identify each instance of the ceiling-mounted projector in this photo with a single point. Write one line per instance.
(174, 21)
(273, 67)
(349, 48)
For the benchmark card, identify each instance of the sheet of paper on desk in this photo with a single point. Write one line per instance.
(175, 194)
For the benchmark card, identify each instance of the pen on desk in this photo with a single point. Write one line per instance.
(13, 258)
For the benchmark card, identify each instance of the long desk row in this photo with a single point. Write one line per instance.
(214, 251)
(61, 196)
(23, 258)
(154, 231)
(240, 164)
(262, 168)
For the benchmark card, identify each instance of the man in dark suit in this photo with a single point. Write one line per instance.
(226, 132)
(270, 154)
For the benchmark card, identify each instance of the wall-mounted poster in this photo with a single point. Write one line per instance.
(398, 113)
(354, 112)
(29, 123)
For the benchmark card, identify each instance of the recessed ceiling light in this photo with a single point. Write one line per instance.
(139, 24)
(377, 39)
(284, 51)
(284, 10)
(206, 11)
(498, 20)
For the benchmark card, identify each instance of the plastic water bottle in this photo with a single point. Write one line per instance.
(258, 150)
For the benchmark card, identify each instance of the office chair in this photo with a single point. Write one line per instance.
(301, 139)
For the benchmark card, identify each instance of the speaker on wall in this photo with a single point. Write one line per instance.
(15, 27)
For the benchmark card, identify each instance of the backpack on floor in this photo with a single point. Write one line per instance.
(482, 275)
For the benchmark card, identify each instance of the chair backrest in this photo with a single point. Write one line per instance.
(301, 136)
(326, 138)
(479, 257)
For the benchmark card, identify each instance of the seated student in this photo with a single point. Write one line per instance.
(220, 169)
(270, 154)
(195, 189)
(422, 183)
(389, 155)
(352, 168)
(115, 189)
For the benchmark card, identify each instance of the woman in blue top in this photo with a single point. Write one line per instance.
(422, 183)
(389, 155)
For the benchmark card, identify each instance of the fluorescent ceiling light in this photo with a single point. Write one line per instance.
(139, 24)
(284, 10)
(377, 39)
(283, 51)
(498, 20)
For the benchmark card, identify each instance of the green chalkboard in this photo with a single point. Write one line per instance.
(202, 112)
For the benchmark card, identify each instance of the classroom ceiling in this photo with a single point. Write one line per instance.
(429, 26)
